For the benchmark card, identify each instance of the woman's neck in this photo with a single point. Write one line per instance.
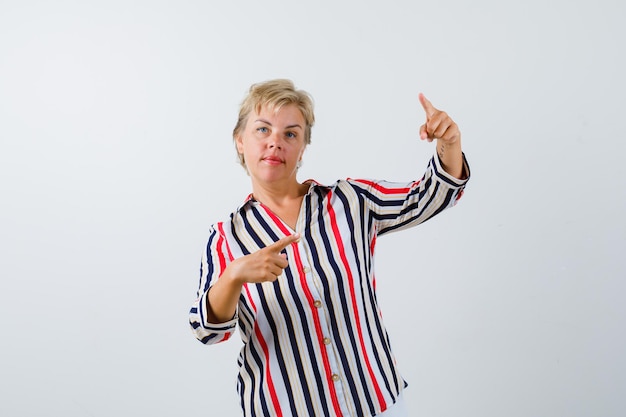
(284, 202)
(278, 194)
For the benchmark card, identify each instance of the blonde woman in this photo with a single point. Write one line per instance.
(293, 265)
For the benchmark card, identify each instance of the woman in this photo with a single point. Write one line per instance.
(294, 265)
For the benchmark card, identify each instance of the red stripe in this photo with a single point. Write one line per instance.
(263, 343)
(344, 260)
(223, 242)
(245, 287)
(220, 226)
(318, 331)
(268, 374)
(384, 190)
(316, 318)
(220, 252)
(372, 246)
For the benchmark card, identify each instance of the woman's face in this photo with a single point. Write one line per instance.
(272, 144)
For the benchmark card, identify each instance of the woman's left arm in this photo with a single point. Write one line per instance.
(439, 125)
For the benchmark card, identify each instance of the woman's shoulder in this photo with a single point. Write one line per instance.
(346, 182)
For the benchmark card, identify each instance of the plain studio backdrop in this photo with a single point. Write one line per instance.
(116, 155)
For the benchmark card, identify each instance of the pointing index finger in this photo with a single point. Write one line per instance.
(427, 105)
(284, 242)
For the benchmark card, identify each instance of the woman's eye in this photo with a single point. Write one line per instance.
(290, 135)
(262, 130)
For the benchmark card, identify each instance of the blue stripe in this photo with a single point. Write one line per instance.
(210, 268)
(256, 358)
(345, 309)
(250, 232)
(362, 283)
(444, 178)
(410, 220)
(276, 341)
(266, 227)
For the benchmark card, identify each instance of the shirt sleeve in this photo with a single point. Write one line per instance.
(214, 260)
(398, 205)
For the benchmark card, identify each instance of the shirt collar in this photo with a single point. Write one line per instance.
(249, 200)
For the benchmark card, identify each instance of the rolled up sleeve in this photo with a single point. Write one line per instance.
(213, 263)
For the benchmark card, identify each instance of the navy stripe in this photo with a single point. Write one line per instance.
(260, 391)
(357, 277)
(419, 215)
(276, 341)
(321, 381)
(233, 230)
(306, 390)
(443, 177)
(250, 232)
(367, 292)
(246, 315)
(208, 338)
(266, 227)
(209, 260)
(340, 317)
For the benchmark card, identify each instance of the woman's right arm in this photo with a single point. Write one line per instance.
(223, 296)
(214, 310)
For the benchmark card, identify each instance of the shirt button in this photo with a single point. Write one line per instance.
(335, 377)
(317, 303)
(306, 269)
(326, 341)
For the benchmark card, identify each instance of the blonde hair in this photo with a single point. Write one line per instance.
(274, 94)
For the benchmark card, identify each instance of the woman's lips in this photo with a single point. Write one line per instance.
(272, 160)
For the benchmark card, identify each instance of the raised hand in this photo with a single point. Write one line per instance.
(263, 265)
(438, 124)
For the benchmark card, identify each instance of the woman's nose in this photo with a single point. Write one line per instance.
(275, 141)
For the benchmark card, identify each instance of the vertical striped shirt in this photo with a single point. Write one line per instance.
(314, 343)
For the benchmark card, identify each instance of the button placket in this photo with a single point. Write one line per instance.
(318, 304)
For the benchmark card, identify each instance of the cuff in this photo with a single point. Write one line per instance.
(219, 328)
(453, 181)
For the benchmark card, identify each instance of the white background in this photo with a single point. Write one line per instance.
(116, 155)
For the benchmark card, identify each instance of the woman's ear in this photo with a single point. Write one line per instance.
(299, 163)
(239, 144)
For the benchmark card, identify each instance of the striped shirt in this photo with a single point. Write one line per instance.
(314, 343)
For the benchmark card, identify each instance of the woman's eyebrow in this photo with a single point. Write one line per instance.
(286, 127)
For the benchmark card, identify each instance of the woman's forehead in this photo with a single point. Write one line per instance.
(279, 112)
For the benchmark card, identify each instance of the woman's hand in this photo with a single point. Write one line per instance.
(263, 265)
(440, 126)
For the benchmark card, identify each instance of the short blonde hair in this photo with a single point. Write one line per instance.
(274, 94)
